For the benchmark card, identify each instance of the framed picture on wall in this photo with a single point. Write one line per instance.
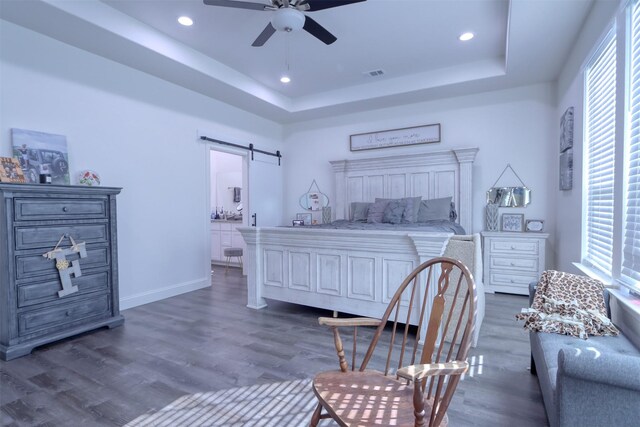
(512, 222)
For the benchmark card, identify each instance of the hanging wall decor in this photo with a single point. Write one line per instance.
(566, 150)
(314, 199)
(65, 267)
(426, 134)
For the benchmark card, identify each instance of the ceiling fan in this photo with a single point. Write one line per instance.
(288, 16)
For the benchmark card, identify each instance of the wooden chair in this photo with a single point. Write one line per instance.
(442, 289)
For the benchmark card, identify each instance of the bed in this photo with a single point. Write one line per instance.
(353, 269)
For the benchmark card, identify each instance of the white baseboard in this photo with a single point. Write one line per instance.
(162, 293)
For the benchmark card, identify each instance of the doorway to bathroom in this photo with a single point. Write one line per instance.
(229, 206)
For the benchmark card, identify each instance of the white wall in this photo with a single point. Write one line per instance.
(511, 126)
(139, 133)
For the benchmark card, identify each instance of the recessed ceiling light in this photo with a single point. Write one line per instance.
(285, 79)
(186, 21)
(465, 37)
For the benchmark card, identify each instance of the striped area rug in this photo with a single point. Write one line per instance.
(283, 404)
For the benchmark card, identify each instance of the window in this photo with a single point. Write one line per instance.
(611, 234)
(631, 241)
(600, 122)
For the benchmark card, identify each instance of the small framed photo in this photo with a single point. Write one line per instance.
(297, 222)
(304, 217)
(512, 222)
(10, 170)
(534, 225)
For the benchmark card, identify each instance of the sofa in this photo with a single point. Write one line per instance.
(593, 382)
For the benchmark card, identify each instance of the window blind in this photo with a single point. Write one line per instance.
(600, 103)
(631, 241)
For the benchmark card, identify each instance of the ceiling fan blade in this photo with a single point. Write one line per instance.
(237, 4)
(315, 5)
(318, 31)
(264, 35)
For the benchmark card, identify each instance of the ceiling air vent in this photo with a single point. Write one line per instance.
(374, 73)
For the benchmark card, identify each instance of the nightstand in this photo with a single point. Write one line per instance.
(512, 260)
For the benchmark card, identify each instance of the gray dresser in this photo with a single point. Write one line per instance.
(33, 218)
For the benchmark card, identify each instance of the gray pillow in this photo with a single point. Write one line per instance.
(376, 210)
(411, 210)
(435, 209)
(359, 211)
(394, 211)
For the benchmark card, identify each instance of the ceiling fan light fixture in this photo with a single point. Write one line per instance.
(285, 79)
(288, 20)
(466, 36)
(185, 20)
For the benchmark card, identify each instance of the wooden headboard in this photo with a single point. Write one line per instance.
(429, 175)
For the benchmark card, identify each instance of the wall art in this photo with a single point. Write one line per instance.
(41, 153)
(426, 134)
(566, 150)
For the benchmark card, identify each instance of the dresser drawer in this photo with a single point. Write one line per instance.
(513, 279)
(63, 315)
(519, 246)
(44, 209)
(517, 264)
(33, 265)
(48, 236)
(37, 293)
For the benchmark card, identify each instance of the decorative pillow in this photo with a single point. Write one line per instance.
(411, 210)
(359, 211)
(394, 211)
(568, 304)
(435, 209)
(376, 210)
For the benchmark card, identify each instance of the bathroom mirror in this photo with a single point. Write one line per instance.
(509, 197)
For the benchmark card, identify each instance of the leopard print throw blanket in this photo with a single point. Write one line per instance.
(568, 304)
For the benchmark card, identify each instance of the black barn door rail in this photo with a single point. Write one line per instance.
(250, 148)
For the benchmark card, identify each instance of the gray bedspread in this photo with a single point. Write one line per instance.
(442, 226)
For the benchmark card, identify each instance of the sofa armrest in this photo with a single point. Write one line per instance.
(592, 386)
(613, 369)
(532, 292)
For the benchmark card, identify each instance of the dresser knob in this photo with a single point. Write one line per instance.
(511, 280)
(512, 264)
(512, 247)
(65, 209)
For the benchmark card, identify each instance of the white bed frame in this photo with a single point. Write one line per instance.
(358, 271)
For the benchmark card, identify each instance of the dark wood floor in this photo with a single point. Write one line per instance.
(208, 340)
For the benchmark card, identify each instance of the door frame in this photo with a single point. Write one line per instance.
(246, 200)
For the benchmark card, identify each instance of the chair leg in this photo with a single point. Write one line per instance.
(315, 419)
(227, 266)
